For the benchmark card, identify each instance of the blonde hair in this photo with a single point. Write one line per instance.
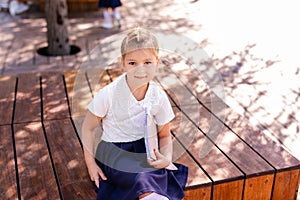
(139, 38)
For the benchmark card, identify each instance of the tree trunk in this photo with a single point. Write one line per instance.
(57, 27)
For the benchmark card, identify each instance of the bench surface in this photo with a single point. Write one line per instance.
(41, 150)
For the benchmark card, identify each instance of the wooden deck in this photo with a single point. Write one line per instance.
(41, 152)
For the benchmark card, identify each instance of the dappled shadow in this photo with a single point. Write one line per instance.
(268, 97)
(262, 100)
(20, 45)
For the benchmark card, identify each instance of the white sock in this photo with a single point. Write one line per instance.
(116, 15)
(107, 17)
(154, 196)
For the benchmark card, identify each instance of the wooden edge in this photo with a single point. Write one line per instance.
(286, 185)
(228, 190)
(55, 103)
(68, 159)
(198, 183)
(35, 171)
(8, 179)
(196, 193)
(281, 160)
(259, 187)
(78, 92)
(7, 98)
(98, 78)
(28, 99)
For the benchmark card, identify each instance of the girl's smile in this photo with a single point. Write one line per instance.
(140, 66)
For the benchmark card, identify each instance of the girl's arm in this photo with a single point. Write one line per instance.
(165, 141)
(89, 124)
(164, 156)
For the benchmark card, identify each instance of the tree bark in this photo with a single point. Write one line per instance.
(57, 27)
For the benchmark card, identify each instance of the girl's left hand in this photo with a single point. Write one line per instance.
(160, 162)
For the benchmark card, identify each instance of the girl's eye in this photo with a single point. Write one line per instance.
(148, 63)
(131, 63)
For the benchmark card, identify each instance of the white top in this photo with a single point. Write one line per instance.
(123, 117)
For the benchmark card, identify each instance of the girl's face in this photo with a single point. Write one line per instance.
(140, 66)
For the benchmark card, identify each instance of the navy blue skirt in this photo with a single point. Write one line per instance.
(129, 175)
(109, 3)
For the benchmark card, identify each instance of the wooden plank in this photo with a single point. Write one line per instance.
(272, 152)
(197, 193)
(198, 185)
(78, 91)
(259, 187)
(69, 77)
(55, 104)
(97, 78)
(228, 190)
(82, 85)
(68, 160)
(7, 97)
(269, 149)
(251, 163)
(286, 185)
(8, 187)
(36, 176)
(220, 169)
(115, 72)
(28, 102)
(244, 157)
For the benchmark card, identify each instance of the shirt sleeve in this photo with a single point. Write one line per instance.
(100, 104)
(165, 114)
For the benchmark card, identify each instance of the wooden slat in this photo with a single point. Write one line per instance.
(244, 157)
(220, 169)
(228, 190)
(55, 105)
(259, 187)
(189, 130)
(69, 161)
(269, 149)
(8, 187)
(7, 96)
(286, 185)
(273, 152)
(36, 176)
(82, 85)
(198, 184)
(28, 102)
(97, 78)
(79, 92)
(251, 163)
(114, 73)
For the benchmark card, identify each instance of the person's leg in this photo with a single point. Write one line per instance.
(117, 16)
(107, 19)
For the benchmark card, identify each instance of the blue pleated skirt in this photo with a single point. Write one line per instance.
(109, 3)
(129, 175)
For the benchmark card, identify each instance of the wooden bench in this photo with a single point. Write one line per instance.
(41, 151)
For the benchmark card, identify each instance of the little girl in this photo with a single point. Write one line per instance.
(110, 8)
(122, 169)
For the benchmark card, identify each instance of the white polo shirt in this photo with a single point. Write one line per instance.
(123, 117)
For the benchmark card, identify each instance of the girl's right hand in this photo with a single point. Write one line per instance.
(95, 173)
